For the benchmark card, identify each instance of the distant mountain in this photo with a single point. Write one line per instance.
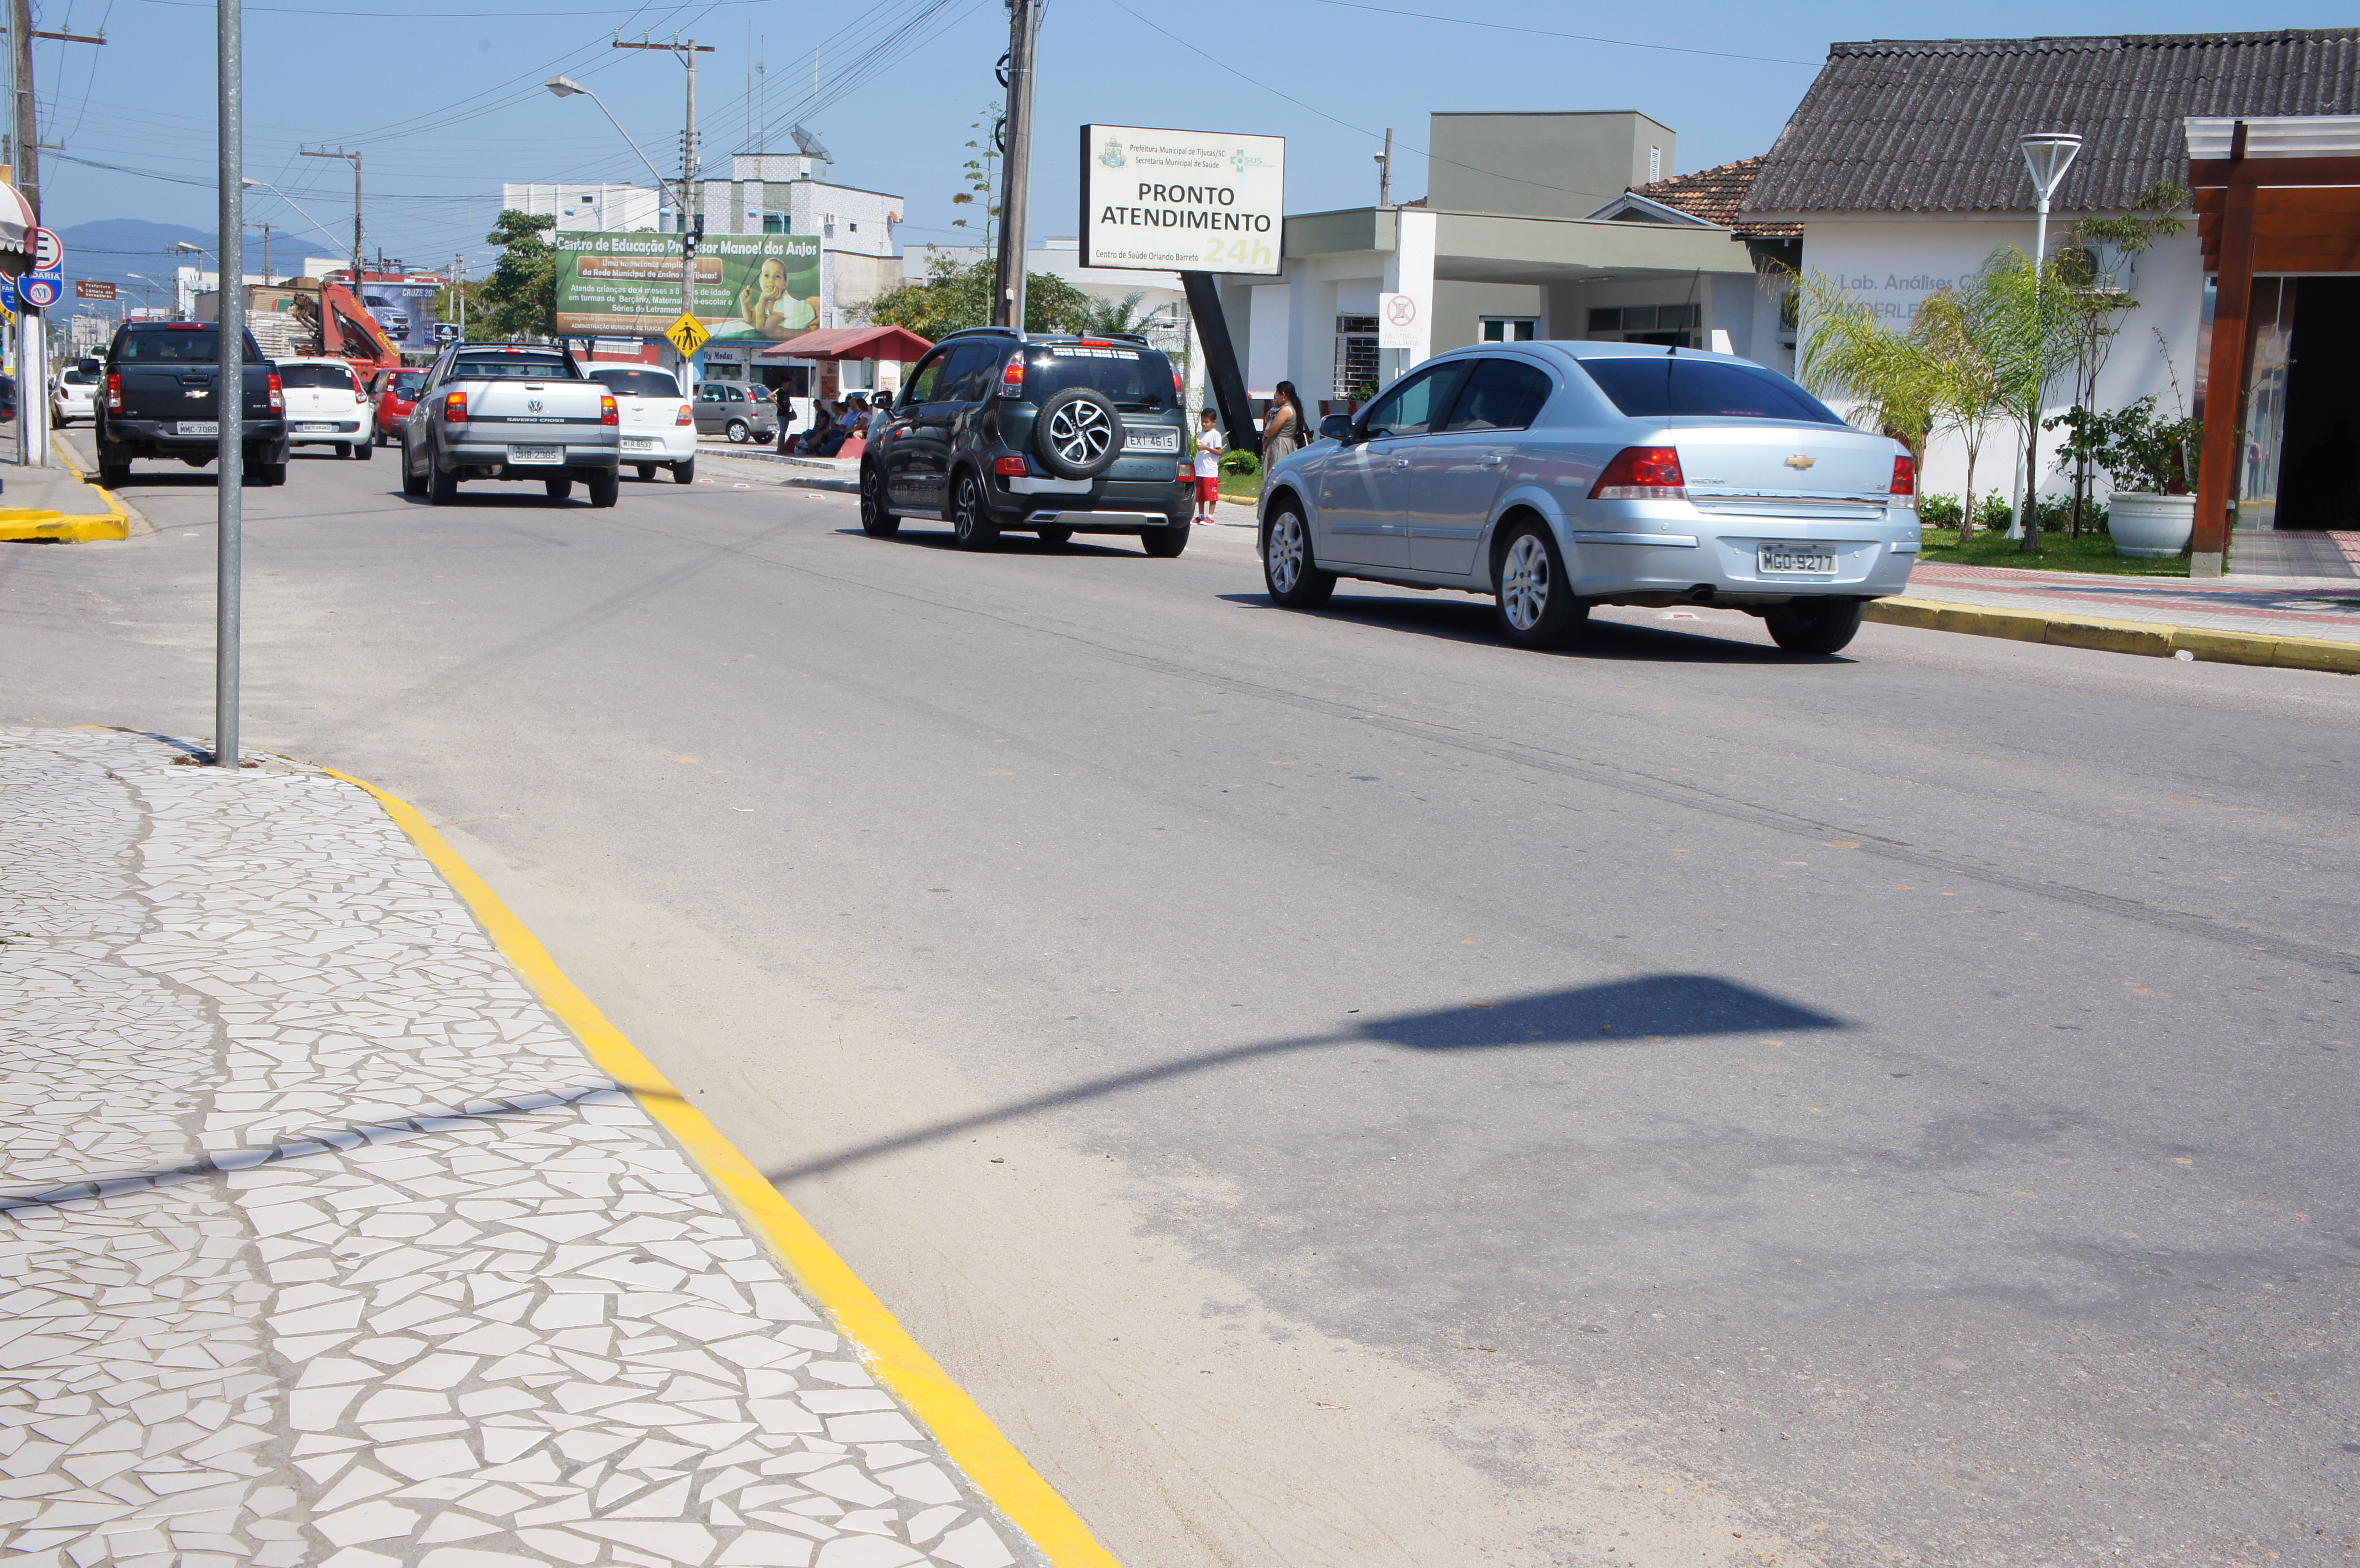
(111, 249)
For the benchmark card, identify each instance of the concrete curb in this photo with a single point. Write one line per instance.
(2154, 639)
(23, 523)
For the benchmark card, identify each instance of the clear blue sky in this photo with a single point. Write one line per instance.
(443, 97)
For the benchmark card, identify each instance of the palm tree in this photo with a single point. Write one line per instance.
(1108, 317)
(1844, 352)
(1968, 396)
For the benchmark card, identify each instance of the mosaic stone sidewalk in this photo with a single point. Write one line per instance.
(322, 1243)
(2294, 607)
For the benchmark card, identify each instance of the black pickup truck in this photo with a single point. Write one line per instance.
(158, 399)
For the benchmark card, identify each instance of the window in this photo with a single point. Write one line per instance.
(970, 361)
(510, 367)
(1511, 329)
(317, 377)
(638, 383)
(1502, 395)
(1413, 404)
(180, 344)
(1135, 380)
(1674, 325)
(921, 383)
(406, 383)
(1646, 386)
(1356, 357)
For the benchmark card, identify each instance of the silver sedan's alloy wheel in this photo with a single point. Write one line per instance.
(1286, 551)
(1524, 582)
(1080, 432)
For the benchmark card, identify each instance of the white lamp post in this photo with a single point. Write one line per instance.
(2048, 154)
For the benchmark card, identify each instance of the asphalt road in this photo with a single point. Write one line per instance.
(1340, 1092)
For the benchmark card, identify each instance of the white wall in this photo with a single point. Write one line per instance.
(1894, 263)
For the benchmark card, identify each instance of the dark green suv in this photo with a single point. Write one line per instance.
(1034, 432)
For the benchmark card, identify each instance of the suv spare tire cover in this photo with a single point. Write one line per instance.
(1078, 433)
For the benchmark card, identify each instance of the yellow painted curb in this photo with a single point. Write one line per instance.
(2153, 640)
(23, 523)
(967, 1434)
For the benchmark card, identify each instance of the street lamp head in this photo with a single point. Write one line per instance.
(184, 245)
(2047, 154)
(249, 179)
(565, 86)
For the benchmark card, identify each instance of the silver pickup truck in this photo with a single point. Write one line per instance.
(511, 411)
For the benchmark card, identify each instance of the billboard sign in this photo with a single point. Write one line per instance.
(760, 288)
(1182, 200)
(404, 308)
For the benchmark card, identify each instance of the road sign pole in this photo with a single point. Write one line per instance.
(229, 493)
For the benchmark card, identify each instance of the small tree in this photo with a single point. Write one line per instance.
(957, 295)
(1844, 351)
(519, 299)
(981, 187)
(2023, 318)
(2101, 261)
(1967, 392)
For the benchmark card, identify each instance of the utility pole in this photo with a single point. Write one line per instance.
(459, 290)
(1385, 171)
(1016, 173)
(32, 341)
(691, 222)
(229, 454)
(354, 159)
(266, 229)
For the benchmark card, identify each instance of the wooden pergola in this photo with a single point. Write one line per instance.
(2257, 215)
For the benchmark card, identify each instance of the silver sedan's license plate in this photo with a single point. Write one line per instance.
(1150, 440)
(641, 443)
(197, 428)
(1796, 558)
(536, 454)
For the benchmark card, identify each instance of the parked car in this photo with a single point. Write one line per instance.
(1039, 433)
(75, 397)
(1554, 476)
(511, 411)
(727, 408)
(396, 393)
(659, 426)
(161, 399)
(325, 407)
(7, 396)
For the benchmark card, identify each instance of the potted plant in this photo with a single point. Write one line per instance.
(2150, 463)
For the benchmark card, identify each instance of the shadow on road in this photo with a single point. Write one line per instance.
(1455, 618)
(1010, 543)
(1652, 1007)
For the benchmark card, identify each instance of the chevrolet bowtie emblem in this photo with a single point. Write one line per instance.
(1800, 460)
(199, 392)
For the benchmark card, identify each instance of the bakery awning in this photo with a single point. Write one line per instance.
(852, 342)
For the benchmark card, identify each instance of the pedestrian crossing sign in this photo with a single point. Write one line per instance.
(688, 335)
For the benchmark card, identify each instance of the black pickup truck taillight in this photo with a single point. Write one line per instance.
(278, 395)
(113, 393)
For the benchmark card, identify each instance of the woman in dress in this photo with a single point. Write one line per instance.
(1282, 429)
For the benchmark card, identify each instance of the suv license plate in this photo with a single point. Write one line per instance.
(536, 454)
(197, 428)
(1150, 440)
(1791, 558)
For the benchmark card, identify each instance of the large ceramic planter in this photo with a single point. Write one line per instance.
(2150, 526)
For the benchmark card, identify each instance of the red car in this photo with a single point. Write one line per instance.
(395, 391)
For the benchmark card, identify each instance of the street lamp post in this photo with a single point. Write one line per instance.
(566, 87)
(2047, 154)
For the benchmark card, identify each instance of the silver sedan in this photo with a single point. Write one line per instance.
(1554, 476)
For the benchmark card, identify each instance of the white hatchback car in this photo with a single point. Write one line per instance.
(1554, 476)
(75, 398)
(325, 407)
(659, 426)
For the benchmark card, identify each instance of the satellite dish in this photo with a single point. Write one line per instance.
(809, 145)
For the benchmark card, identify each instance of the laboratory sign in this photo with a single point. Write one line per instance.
(763, 288)
(1182, 200)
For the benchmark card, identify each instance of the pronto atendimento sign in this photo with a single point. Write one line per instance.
(1182, 200)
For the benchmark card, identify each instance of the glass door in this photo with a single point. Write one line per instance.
(2271, 339)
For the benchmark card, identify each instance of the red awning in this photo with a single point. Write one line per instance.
(852, 342)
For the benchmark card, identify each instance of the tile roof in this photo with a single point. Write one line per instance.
(1713, 194)
(1930, 126)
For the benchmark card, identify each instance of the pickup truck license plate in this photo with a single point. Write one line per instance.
(536, 454)
(309, 425)
(641, 443)
(1150, 440)
(1795, 558)
(197, 428)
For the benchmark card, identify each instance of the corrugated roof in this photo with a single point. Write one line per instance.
(1930, 126)
(1714, 195)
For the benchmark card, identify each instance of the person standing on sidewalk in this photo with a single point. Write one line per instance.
(1209, 466)
(1282, 429)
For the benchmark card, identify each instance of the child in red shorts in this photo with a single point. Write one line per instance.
(1209, 466)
